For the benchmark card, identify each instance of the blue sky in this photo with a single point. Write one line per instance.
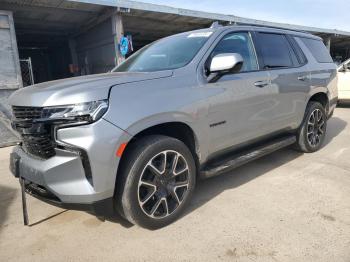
(332, 14)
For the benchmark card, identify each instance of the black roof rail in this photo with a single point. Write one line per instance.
(273, 27)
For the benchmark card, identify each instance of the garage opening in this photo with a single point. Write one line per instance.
(43, 58)
(60, 39)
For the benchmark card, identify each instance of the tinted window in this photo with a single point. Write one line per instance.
(300, 54)
(168, 53)
(241, 43)
(318, 50)
(275, 50)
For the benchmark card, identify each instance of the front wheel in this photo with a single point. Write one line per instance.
(312, 131)
(157, 181)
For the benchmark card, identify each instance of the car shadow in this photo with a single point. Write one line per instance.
(210, 188)
(116, 218)
(6, 198)
(344, 105)
(335, 126)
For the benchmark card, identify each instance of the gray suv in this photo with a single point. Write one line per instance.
(189, 106)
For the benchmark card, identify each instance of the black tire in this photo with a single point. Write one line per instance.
(308, 142)
(133, 192)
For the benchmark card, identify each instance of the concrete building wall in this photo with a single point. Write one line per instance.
(95, 49)
(10, 73)
(10, 78)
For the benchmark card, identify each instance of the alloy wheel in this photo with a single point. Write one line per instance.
(315, 128)
(163, 184)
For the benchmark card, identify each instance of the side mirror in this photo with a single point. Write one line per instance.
(227, 63)
(345, 68)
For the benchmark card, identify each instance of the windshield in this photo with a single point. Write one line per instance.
(168, 53)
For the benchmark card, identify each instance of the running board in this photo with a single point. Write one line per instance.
(241, 158)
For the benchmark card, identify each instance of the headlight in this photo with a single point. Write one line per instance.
(84, 112)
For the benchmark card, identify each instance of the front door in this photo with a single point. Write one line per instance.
(239, 108)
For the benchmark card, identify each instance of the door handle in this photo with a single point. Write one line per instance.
(261, 83)
(302, 78)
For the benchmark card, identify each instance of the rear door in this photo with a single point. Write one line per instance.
(283, 59)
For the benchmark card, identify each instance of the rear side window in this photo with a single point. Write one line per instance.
(276, 51)
(318, 50)
(298, 51)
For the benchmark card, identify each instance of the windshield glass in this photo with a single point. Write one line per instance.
(168, 53)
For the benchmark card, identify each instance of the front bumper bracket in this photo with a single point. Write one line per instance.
(24, 202)
(102, 208)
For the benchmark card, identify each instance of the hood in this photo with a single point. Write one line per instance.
(78, 89)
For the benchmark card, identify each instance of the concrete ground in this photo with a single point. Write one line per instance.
(284, 207)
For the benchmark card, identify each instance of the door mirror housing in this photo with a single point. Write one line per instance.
(345, 68)
(226, 63)
(222, 64)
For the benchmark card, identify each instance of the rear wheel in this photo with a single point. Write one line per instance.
(312, 132)
(157, 181)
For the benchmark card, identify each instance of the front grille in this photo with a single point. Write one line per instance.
(39, 145)
(28, 113)
(37, 139)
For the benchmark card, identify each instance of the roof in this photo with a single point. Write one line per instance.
(210, 16)
(53, 21)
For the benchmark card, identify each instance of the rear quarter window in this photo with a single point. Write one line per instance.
(318, 50)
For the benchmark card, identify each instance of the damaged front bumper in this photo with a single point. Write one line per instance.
(61, 180)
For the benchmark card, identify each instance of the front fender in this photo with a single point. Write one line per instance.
(138, 106)
(198, 128)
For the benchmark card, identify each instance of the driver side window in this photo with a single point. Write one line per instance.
(238, 42)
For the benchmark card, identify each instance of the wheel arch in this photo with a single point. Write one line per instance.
(321, 97)
(176, 129)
